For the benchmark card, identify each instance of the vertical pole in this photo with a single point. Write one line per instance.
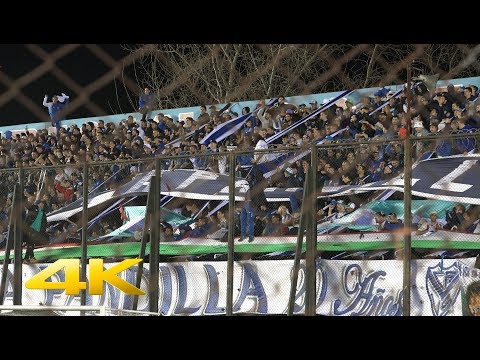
(83, 260)
(311, 252)
(154, 240)
(407, 196)
(8, 247)
(143, 244)
(152, 235)
(158, 218)
(18, 239)
(231, 230)
(298, 249)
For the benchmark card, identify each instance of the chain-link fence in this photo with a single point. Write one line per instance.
(365, 204)
(249, 232)
(222, 73)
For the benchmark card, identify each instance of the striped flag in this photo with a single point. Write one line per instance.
(308, 117)
(269, 168)
(226, 129)
(230, 127)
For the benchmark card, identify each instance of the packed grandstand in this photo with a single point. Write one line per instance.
(268, 147)
(193, 147)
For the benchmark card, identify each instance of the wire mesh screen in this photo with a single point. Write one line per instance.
(240, 71)
(268, 201)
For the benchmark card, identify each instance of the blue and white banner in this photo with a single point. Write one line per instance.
(386, 102)
(284, 159)
(344, 288)
(177, 142)
(184, 183)
(226, 129)
(230, 127)
(199, 185)
(451, 178)
(314, 113)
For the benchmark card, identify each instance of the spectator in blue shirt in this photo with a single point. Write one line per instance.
(393, 222)
(146, 103)
(55, 109)
(465, 145)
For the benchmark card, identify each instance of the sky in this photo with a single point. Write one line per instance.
(81, 65)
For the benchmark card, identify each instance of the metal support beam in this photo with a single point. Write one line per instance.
(298, 250)
(18, 239)
(407, 197)
(154, 245)
(83, 260)
(311, 251)
(231, 230)
(8, 248)
(143, 244)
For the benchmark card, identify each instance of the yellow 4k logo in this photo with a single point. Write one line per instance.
(72, 283)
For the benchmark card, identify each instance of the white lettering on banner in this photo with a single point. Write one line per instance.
(346, 288)
(293, 189)
(144, 181)
(447, 182)
(397, 182)
(448, 178)
(241, 185)
(273, 189)
(367, 299)
(198, 175)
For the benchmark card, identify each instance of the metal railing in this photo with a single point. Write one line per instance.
(154, 231)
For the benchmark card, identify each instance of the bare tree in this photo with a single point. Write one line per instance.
(191, 74)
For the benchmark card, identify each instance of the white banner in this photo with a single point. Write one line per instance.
(365, 288)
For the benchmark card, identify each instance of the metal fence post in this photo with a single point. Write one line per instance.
(298, 249)
(407, 196)
(83, 270)
(18, 239)
(143, 244)
(311, 251)
(231, 230)
(155, 245)
(407, 238)
(153, 279)
(8, 247)
(154, 241)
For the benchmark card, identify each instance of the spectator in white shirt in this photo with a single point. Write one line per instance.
(430, 225)
(261, 144)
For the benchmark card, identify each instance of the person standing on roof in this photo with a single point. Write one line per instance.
(146, 103)
(55, 109)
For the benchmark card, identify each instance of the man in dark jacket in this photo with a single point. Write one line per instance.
(454, 217)
(254, 198)
(35, 229)
(146, 103)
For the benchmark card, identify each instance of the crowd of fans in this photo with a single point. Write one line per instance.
(453, 111)
(457, 110)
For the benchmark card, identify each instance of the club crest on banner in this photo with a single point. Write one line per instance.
(443, 286)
